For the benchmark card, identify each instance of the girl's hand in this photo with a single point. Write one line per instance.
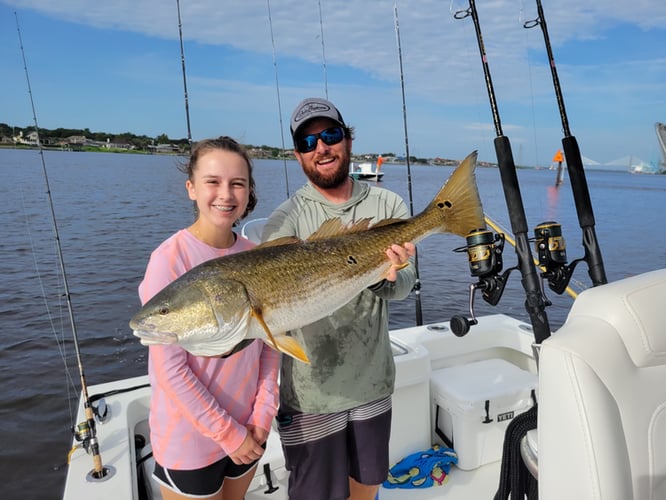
(249, 451)
(260, 435)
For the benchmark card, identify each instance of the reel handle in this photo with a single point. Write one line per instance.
(460, 325)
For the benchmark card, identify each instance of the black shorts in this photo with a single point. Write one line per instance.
(322, 451)
(206, 481)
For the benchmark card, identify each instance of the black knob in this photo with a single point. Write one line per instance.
(460, 325)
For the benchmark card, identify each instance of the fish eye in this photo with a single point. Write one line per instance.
(164, 310)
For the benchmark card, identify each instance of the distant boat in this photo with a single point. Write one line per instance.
(366, 171)
(638, 166)
(641, 167)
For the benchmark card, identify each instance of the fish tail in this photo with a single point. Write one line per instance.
(459, 201)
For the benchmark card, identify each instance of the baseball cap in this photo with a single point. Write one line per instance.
(314, 107)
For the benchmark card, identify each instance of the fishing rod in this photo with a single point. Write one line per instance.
(84, 431)
(417, 283)
(576, 172)
(277, 90)
(182, 62)
(534, 304)
(323, 52)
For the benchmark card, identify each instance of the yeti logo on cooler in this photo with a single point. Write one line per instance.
(501, 417)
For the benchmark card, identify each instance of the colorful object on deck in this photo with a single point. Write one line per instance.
(422, 469)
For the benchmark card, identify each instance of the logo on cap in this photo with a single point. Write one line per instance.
(309, 109)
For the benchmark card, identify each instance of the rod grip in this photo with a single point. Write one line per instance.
(581, 195)
(534, 303)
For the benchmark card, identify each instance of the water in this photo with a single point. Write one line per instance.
(113, 210)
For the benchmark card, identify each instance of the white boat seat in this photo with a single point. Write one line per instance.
(252, 229)
(602, 395)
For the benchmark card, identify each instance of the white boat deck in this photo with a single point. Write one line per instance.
(479, 484)
(419, 351)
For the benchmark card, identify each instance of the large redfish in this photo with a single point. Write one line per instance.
(288, 283)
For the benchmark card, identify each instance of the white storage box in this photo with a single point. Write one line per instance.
(473, 405)
(410, 423)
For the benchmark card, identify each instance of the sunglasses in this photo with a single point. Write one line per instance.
(330, 136)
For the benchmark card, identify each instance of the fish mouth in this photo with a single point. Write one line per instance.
(152, 338)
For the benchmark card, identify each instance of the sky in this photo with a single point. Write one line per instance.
(116, 66)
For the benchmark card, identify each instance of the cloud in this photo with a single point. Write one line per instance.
(442, 70)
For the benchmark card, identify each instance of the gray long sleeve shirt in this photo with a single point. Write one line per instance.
(350, 350)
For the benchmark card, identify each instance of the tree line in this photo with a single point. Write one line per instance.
(145, 143)
(138, 141)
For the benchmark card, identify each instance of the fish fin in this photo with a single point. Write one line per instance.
(256, 313)
(291, 346)
(396, 267)
(460, 200)
(285, 240)
(283, 343)
(387, 222)
(335, 227)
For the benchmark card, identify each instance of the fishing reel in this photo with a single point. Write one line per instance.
(83, 433)
(484, 252)
(552, 255)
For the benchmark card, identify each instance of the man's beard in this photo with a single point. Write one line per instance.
(329, 182)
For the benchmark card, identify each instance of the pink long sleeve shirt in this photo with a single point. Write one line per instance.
(200, 406)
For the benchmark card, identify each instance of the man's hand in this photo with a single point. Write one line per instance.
(399, 255)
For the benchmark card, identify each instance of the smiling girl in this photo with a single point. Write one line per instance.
(209, 416)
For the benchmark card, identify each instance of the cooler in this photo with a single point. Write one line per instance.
(473, 405)
(410, 422)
